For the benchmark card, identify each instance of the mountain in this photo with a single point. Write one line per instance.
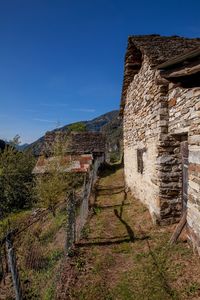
(22, 147)
(108, 123)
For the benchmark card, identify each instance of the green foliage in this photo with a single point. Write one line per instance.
(79, 127)
(114, 157)
(58, 222)
(16, 179)
(49, 189)
(13, 220)
(96, 210)
(85, 232)
(49, 293)
(53, 186)
(80, 264)
(192, 288)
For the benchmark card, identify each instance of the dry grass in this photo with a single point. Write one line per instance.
(124, 256)
(39, 251)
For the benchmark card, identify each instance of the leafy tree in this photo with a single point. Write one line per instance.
(53, 186)
(50, 188)
(16, 179)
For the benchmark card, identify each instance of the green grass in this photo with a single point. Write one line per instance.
(49, 293)
(14, 220)
(148, 279)
(192, 288)
(57, 222)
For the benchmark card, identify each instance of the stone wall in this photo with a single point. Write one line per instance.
(157, 117)
(144, 123)
(184, 117)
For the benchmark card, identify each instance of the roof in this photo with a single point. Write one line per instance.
(162, 48)
(158, 49)
(75, 143)
(183, 70)
(87, 142)
(66, 164)
(188, 56)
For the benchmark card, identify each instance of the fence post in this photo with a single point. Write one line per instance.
(1, 264)
(71, 222)
(13, 268)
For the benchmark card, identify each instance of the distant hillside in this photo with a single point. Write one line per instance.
(113, 131)
(22, 147)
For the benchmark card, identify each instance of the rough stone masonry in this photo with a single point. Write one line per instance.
(160, 106)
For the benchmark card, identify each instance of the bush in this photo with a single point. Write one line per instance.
(16, 179)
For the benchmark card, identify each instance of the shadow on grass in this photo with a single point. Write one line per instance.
(128, 228)
(107, 170)
(110, 242)
(110, 238)
(108, 206)
(108, 192)
(110, 188)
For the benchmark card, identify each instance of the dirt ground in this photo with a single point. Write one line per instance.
(123, 256)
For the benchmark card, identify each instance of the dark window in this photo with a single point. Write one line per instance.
(140, 163)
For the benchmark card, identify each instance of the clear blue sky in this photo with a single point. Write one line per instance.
(62, 61)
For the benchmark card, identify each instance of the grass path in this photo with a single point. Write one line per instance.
(123, 256)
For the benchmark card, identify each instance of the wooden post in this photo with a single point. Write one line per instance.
(179, 228)
(1, 265)
(71, 216)
(13, 268)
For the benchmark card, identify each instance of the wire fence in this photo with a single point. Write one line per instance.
(31, 256)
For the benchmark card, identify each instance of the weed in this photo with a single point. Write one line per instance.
(48, 235)
(122, 248)
(80, 264)
(85, 232)
(192, 289)
(14, 220)
(49, 293)
(53, 257)
(141, 255)
(97, 210)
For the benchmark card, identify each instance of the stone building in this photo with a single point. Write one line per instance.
(160, 106)
(81, 152)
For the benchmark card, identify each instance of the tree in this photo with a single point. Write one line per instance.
(16, 179)
(79, 127)
(51, 186)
